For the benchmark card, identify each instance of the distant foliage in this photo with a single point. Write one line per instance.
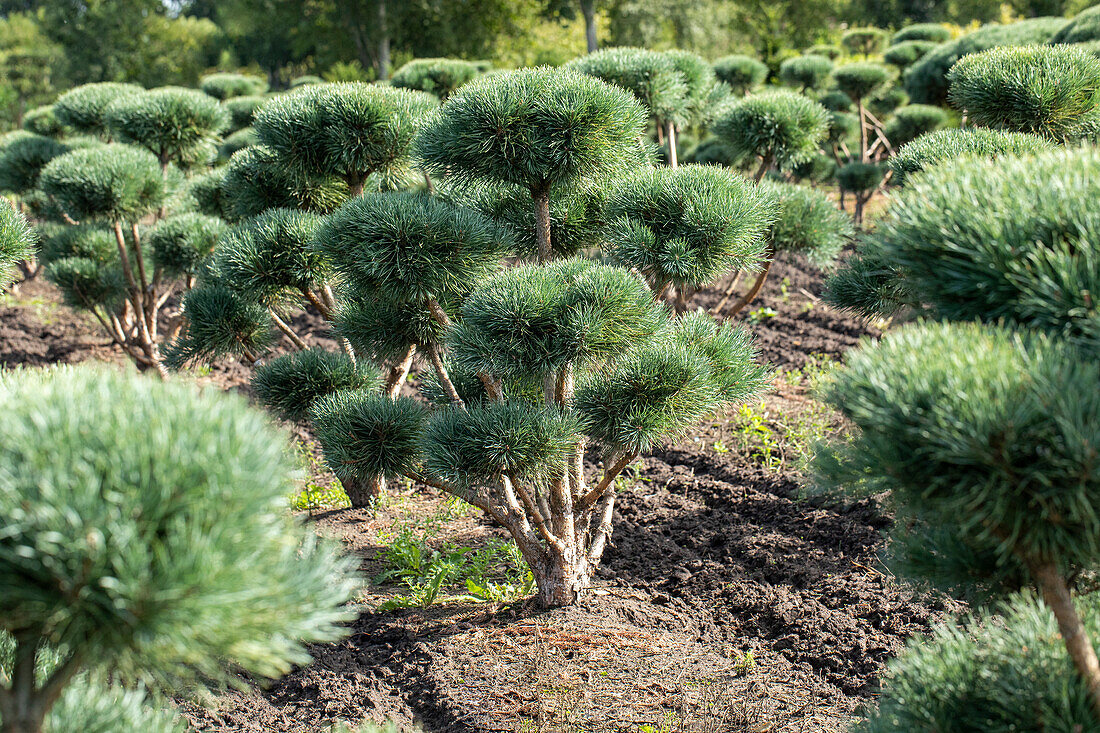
(741, 74)
(226, 86)
(780, 127)
(943, 146)
(440, 77)
(1084, 27)
(83, 108)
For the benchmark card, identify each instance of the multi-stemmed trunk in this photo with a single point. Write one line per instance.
(541, 198)
(145, 301)
(25, 704)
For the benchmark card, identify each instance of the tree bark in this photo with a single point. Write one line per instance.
(672, 157)
(364, 492)
(588, 10)
(1078, 644)
(542, 224)
(383, 43)
(862, 132)
(756, 286)
(765, 164)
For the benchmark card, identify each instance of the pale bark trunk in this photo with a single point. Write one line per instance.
(672, 157)
(542, 225)
(1074, 635)
(756, 286)
(383, 43)
(862, 132)
(588, 9)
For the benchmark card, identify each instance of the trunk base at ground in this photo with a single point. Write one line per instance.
(561, 583)
(364, 492)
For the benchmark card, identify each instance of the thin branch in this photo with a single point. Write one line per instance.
(285, 328)
(398, 373)
(588, 500)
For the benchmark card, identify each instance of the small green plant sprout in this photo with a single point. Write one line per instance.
(225, 86)
(859, 81)
(806, 73)
(440, 77)
(149, 576)
(685, 228)
(43, 121)
(861, 180)
(16, 242)
(906, 53)
(741, 74)
(912, 121)
(181, 243)
(242, 111)
(177, 125)
(1045, 90)
(22, 160)
(541, 129)
(943, 146)
(84, 108)
(119, 185)
(992, 435)
(779, 128)
(255, 180)
(349, 131)
(609, 370)
(932, 32)
(864, 41)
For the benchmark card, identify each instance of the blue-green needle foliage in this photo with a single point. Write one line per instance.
(864, 41)
(305, 80)
(536, 128)
(664, 387)
(414, 246)
(1013, 675)
(868, 284)
(365, 435)
(84, 108)
(174, 124)
(43, 121)
(165, 506)
(912, 121)
(235, 141)
(906, 53)
(291, 383)
(220, 322)
(204, 192)
(242, 111)
(1084, 27)
(702, 91)
(981, 431)
(84, 240)
(440, 77)
(887, 99)
(226, 86)
(859, 177)
(933, 32)
(24, 157)
(349, 130)
(16, 241)
(687, 225)
(531, 320)
(807, 222)
(113, 182)
(836, 101)
(806, 72)
(256, 180)
(944, 146)
(1046, 90)
(861, 79)
(384, 327)
(650, 76)
(269, 258)
(87, 283)
(1015, 239)
(781, 127)
(182, 242)
(741, 74)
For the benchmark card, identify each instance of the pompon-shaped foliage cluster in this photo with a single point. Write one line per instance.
(175, 124)
(86, 283)
(16, 241)
(807, 222)
(859, 177)
(860, 79)
(936, 148)
(365, 435)
(1046, 90)
(43, 121)
(970, 677)
(687, 225)
(868, 284)
(912, 121)
(806, 72)
(113, 182)
(779, 126)
(531, 319)
(383, 327)
(305, 80)
(348, 129)
(864, 41)
(83, 240)
(827, 50)
(182, 242)
(182, 568)
(204, 193)
(741, 74)
(702, 89)
(1015, 425)
(887, 99)
(933, 32)
(650, 76)
(663, 387)
(1084, 27)
(239, 140)
(1014, 239)
(23, 158)
(435, 76)
(836, 101)
(227, 85)
(83, 108)
(534, 128)
(255, 181)
(291, 383)
(242, 110)
(220, 322)
(905, 54)
(268, 258)
(575, 215)
(926, 81)
(413, 246)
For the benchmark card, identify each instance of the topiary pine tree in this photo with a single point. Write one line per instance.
(807, 72)
(540, 129)
(702, 94)
(23, 158)
(864, 41)
(118, 184)
(16, 242)
(255, 181)
(906, 53)
(177, 125)
(242, 111)
(741, 74)
(440, 77)
(43, 121)
(225, 86)
(912, 121)
(151, 576)
(778, 128)
(83, 108)
(943, 146)
(859, 81)
(933, 32)
(1046, 90)
(861, 180)
(181, 244)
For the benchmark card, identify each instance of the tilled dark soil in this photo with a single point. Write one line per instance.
(725, 602)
